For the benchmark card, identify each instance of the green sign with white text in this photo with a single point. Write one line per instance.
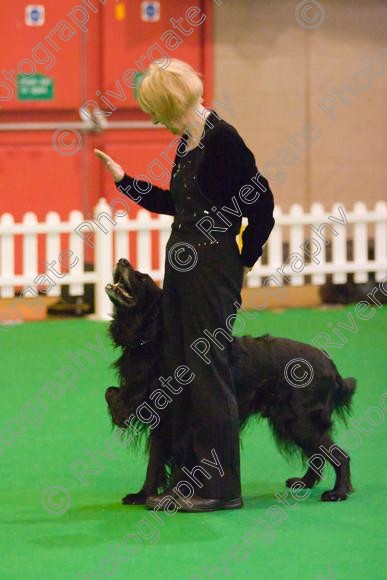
(35, 88)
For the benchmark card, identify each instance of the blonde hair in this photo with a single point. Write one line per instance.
(170, 92)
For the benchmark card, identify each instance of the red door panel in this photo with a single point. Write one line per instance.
(82, 66)
(128, 39)
(52, 49)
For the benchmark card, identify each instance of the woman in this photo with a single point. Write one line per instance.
(213, 172)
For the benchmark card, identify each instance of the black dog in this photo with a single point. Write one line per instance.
(300, 418)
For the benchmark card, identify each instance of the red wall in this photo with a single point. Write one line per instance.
(34, 176)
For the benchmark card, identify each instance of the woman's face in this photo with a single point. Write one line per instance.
(176, 128)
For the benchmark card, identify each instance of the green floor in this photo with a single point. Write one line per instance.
(313, 540)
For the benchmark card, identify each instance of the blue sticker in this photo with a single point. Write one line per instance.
(34, 15)
(150, 11)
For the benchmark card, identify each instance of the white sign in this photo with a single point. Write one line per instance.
(150, 11)
(35, 15)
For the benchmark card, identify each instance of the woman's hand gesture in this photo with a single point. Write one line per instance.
(115, 169)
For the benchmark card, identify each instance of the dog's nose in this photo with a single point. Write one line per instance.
(123, 262)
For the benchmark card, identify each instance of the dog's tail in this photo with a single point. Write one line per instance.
(343, 396)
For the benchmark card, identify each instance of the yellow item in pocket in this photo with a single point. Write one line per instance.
(239, 238)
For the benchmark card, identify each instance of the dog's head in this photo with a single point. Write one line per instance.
(135, 297)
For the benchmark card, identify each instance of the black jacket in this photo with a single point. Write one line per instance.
(226, 165)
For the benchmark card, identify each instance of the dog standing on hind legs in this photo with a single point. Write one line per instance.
(300, 418)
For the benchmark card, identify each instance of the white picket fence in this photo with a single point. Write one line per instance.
(366, 229)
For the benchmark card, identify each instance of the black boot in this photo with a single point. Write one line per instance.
(194, 503)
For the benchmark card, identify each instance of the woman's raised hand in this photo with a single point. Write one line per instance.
(115, 169)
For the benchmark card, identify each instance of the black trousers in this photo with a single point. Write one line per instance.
(204, 416)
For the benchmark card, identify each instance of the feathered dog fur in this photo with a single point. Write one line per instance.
(300, 418)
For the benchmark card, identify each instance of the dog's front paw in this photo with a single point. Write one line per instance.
(118, 410)
(333, 495)
(134, 498)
